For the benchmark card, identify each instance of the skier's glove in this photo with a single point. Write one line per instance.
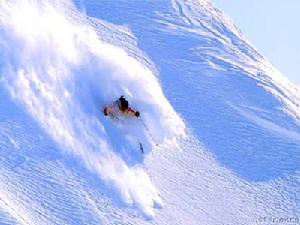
(137, 114)
(105, 110)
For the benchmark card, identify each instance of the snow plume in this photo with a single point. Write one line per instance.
(62, 73)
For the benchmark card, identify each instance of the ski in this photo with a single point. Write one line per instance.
(141, 147)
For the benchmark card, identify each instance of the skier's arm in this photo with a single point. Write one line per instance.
(131, 112)
(105, 111)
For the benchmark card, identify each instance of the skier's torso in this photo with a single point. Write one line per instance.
(114, 111)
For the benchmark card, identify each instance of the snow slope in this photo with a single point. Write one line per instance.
(227, 122)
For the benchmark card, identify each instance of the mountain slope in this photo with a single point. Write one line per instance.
(235, 162)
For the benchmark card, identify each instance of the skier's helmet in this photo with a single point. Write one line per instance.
(123, 103)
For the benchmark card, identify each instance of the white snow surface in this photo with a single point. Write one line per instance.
(225, 120)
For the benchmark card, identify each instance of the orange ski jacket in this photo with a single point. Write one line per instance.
(114, 110)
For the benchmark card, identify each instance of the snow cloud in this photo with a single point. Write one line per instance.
(63, 74)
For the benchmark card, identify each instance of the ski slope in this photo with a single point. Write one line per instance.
(226, 121)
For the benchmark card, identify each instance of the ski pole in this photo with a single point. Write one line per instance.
(147, 129)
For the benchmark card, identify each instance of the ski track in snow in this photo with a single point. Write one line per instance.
(62, 162)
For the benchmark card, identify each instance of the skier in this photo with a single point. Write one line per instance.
(120, 107)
